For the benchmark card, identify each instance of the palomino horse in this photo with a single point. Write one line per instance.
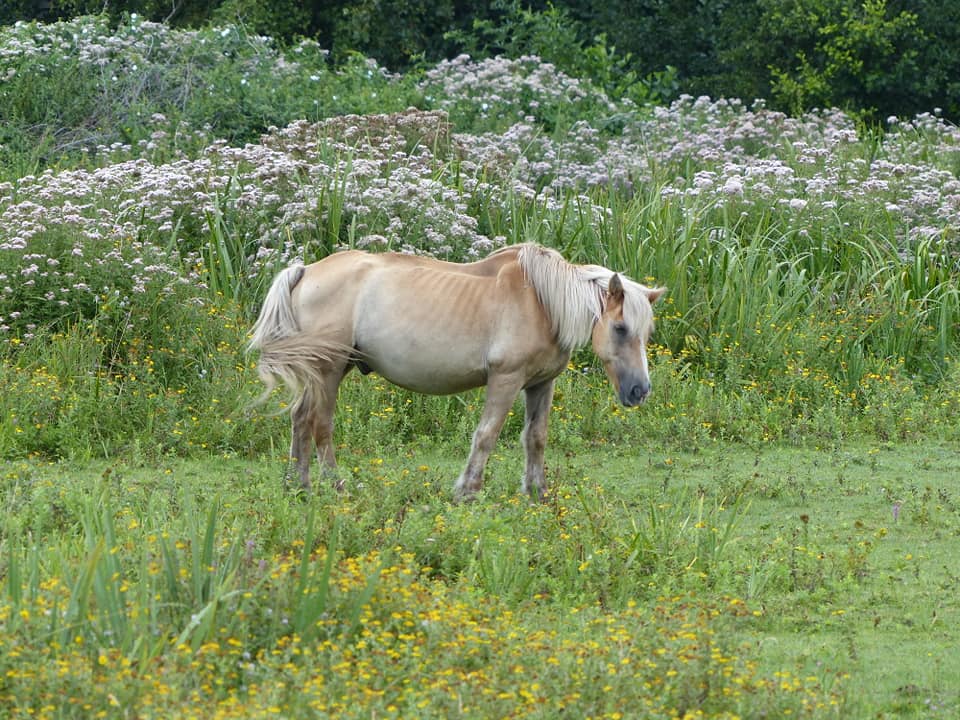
(509, 322)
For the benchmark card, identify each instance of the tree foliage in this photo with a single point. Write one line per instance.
(867, 57)
(871, 57)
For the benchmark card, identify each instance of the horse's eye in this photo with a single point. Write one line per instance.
(620, 329)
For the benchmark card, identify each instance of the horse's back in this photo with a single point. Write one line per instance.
(361, 261)
(351, 275)
(434, 326)
(489, 266)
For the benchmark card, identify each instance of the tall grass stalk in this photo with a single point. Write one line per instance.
(226, 258)
(312, 590)
(670, 537)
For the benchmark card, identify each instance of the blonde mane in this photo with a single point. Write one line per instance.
(573, 295)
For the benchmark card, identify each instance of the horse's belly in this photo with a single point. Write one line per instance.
(436, 373)
(423, 339)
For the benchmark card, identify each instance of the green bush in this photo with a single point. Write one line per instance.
(554, 36)
(863, 57)
(875, 58)
(111, 85)
(108, 343)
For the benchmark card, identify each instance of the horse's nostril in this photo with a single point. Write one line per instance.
(634, 394)
(639, 392)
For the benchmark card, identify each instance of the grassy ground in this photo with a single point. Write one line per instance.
(690, 561)
(721, 581)
(849, 554)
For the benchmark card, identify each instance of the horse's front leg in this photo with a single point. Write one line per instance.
(501, 392)
(538, 401)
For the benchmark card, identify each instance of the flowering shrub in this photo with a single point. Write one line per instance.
(802, 259)
(494, 93)
(726, 201)
(110, 86)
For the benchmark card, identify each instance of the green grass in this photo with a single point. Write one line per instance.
(728, 580)
(771, 535)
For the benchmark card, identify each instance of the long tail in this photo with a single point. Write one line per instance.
(276, 318)
(286, 353)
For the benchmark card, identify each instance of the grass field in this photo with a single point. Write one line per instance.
(720, 581)
(771, 535)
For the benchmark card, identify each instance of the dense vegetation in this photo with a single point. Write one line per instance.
(873, 59)
(151, 187)
(812, 270)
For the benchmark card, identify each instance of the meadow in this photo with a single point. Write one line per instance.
(769, 535)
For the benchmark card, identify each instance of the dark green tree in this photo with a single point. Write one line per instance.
(862, 55)
(873, 57)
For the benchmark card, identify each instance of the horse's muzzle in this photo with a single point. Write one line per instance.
(634, 392)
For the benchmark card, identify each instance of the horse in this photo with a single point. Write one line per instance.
(509, 322)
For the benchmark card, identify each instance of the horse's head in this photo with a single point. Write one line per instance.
(620, 338)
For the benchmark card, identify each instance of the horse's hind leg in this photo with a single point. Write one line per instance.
(534, 437)
(302, 435)
(312, 421)
(322, 427)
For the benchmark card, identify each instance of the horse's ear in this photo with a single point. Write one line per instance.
(615, 289)
(654, 294)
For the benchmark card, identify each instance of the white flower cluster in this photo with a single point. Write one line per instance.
(407, 181)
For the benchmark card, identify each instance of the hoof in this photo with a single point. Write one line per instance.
(337, 481)
(463, 495)
(539, 496)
